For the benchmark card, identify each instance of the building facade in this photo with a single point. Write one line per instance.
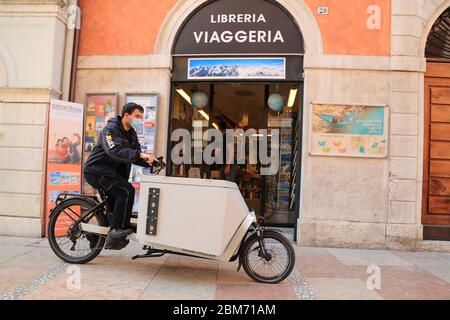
(365, 52)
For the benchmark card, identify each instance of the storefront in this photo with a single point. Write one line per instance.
(239, 57)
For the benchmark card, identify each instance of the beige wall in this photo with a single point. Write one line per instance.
(345, 200)
(32, 41)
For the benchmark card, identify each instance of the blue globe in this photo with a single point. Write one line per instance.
(199, 100)
(276, 102)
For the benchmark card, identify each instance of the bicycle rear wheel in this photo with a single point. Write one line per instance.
(67, 241)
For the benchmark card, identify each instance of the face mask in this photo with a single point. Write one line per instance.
(136, 123)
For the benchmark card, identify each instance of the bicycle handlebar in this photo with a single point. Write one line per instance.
(160, 164)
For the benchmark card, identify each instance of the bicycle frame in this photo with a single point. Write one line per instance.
(90, 214)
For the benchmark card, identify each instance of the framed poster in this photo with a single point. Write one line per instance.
(146, 135)
(64, 150)
(100, 107)
(236, 68)
(349, 130)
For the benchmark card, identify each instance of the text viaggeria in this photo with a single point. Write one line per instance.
(240, 36)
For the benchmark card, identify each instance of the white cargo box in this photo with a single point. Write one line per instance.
(196, 215)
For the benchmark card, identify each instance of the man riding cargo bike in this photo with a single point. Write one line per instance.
(108, 169)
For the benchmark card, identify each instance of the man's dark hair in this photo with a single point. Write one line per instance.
(130, 107)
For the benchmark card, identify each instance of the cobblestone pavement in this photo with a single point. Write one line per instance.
(30, 270)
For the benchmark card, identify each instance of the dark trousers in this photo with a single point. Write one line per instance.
(120, 198)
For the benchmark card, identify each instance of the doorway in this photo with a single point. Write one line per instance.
(436, 174)
(436, 182)
(244, 105)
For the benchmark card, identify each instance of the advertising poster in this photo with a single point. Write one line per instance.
(99, 109)
(237, 68)
(349, 130)
(146, 136)
(64, 152)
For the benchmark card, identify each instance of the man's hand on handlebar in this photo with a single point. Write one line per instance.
(148, 157)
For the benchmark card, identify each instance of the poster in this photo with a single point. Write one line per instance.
(99, 109)
(236, 68)
(147, 133)
(64, 152)
(349, 130)
(146, 136)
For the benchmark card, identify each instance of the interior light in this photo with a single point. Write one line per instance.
(204, 114)
(185, 95)
(292, 96)
(260, 135)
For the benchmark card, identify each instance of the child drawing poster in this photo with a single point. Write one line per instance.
(349, 130)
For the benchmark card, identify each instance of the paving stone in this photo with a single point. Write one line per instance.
(342, 289)
(368, 257)
(182, 283)
(253, 291)
(412, 283)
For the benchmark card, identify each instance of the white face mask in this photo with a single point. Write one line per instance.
(136, 124)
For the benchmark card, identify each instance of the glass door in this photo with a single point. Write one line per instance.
(281, 188)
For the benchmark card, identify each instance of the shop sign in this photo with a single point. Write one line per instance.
(236, 26)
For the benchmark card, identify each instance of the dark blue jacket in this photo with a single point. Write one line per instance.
(115, 152)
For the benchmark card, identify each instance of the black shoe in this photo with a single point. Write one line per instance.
(93, 240)
(116, 244)
(119, 233)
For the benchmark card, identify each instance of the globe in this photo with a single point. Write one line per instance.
(199, 100)
(276, 102)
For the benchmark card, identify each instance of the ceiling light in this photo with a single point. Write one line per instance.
(292, 96)
(204, 114)
(185, 95)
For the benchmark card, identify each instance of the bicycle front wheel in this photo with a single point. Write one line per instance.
(273, 268)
